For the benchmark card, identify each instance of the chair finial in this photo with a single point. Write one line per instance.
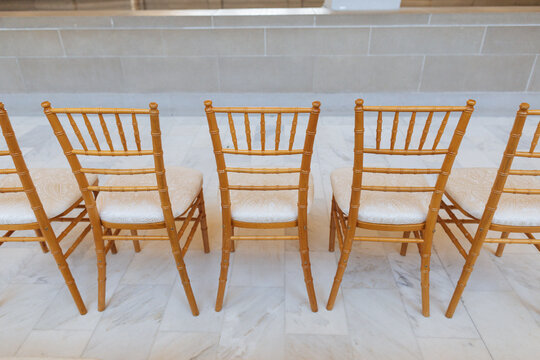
(153, 106)
(471, 102)
(207, 105)
(2, 106)
(45, 105)
(524, 107)
(316, 104)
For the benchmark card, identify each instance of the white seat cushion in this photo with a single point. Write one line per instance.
(266, 206)
(144, 207)
(57, 189)
(471, 187)
(379, 207)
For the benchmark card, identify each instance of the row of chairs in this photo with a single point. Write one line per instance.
(390, 198)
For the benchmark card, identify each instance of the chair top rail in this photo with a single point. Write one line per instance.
(533, 112)
(260, 110)
(414, 108)
(263, 152)
(99, 111)
(112, 153)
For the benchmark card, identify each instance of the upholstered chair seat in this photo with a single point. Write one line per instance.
(470, 188)
(57, 189)
(383, 207)
(266, 206)
(144, 207)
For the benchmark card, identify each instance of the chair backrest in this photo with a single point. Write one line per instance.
(27, 185)
(443, 114)
(274, 148)
(97, 148)
(506, 169)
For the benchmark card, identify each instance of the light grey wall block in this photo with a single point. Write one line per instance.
(30, 43)
(204, 42)
(366, 73)
(11, 80)
(317, 41)
(476, 73)
(266, 74)
(146, 21)
(76, 75)
(147, 74)
(426, 40)
(512, 39)
(534, 84)
(236, 21)
(359, 19)
(112, 42)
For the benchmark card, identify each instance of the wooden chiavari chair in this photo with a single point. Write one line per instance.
(32, 200)
(128, 200)
(396, 202)
(279, 194)
(506, 206)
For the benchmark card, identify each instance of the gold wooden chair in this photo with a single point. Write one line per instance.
(128, 200)
(264, 198)
(383, 198)
(502, 206)
(32, 200)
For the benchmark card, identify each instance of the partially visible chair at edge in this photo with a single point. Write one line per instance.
(143, 198)
(32, 200)
(507, 205)
(394, 198)
(262, 197)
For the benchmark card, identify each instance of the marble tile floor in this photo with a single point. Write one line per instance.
(266, 313)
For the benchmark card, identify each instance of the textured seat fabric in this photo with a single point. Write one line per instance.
(379, 207)
(266, 206)
(144, 207)
(57, 189)
(471, 187)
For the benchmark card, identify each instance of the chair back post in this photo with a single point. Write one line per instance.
(88, 196)
(502, 175)
(305, 166)
(357, 167)
(24, 175)
(446, 168)
(220, 163)
(160, 171)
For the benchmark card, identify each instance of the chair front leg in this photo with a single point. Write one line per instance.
(225, 257)
(500, 247)
(102, 269)
(342, 265)
(404, 245)
(306, 265)
(332, 239)
(136, 243)
(204, 226)
(425, 269)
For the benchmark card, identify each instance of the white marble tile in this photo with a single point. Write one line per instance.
(204, 274)
(504, 324)
(154, 265)
(299, 319)
(450, 349)
(522, 272)
(378, 325)
(315, 347)
(185, 345)
(21, 305)
(365, 270)
(407, 273)
(253, 326)
(130, 323)
(259, 264)
(55, 343)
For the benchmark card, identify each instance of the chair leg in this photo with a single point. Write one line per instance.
(136, 243)
(181, 266)
(424, 271)
(332, 239)
(225, 256)
(102, 269)
(63, 266)
(306, 266)
(500, 247)
(342, 265)
(44, 247)
(114, 249)
(404, 245)
(204, 226)
(233, 245)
